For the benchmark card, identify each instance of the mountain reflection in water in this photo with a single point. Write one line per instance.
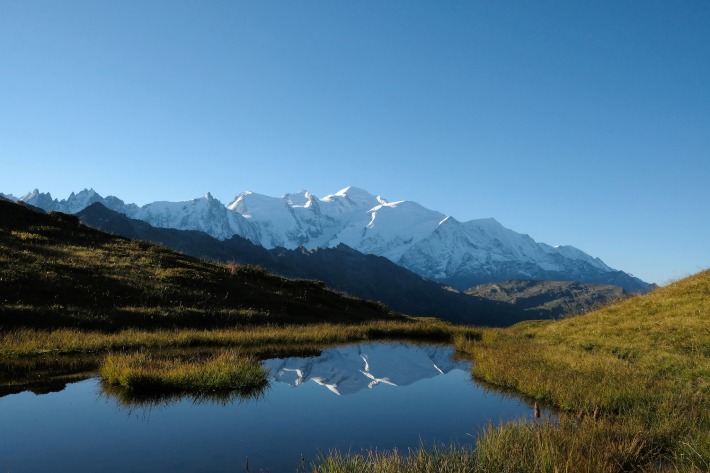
(350, 369)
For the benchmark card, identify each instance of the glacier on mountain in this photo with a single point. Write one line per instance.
(350, 369)
(427, 242)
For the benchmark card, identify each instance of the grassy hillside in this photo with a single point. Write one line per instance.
(631, 382)
(56, 272)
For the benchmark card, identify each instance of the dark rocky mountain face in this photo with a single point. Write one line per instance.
(582, 272)
(23, 204)
(377, 278)
(554, 298)
(341, 268)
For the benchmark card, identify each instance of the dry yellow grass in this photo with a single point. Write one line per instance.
(226, 369)
(32, 342)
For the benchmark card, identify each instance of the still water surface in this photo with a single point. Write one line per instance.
(378, 395)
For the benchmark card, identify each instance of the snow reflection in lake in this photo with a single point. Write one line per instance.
(348, 370)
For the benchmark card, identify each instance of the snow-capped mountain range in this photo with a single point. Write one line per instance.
(347, 370)
(427, 242)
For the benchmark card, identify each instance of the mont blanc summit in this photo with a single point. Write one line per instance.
(427, 242)
(352, 216)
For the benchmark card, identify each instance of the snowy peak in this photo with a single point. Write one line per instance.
(301, 199)
(238, 202)
(73, 204)
(205, 214)
(32, 195)
(483, 248)
(390, 229)
(355, 193)
(249, 202)
(571, 252)
(354, 196)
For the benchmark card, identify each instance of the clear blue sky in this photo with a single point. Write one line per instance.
(581, 123)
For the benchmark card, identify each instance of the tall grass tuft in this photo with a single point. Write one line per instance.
(439, 459)
(226, 370)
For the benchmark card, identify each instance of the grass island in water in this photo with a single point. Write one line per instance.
(224, 370)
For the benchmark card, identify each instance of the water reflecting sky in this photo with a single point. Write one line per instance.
(84, 429)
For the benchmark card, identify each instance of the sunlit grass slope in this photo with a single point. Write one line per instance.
(632, 383)
(55, 272)
(226, 369)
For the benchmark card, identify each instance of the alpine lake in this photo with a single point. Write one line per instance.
(57, 415)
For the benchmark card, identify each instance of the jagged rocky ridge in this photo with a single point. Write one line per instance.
(437, 247)
(348, 370)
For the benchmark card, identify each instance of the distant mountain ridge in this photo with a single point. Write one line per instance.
(552, 298)
(437, 247)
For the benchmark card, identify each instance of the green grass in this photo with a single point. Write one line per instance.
(224, 370)
(644, 363)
